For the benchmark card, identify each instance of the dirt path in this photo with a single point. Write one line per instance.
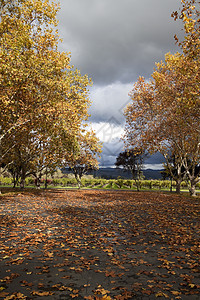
(99, 245)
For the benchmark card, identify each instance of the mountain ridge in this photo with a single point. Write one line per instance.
(113, 173)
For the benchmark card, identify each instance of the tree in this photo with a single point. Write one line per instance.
(43, 100)
(132, 160)
(174, 169)
(165, 112)
(190, 16)
(85, 151)
(157, 117)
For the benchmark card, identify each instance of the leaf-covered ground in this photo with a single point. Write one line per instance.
(99, 245)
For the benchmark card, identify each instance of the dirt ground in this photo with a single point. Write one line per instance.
(89, 244)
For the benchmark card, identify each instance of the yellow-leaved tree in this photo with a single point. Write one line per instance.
(164, 114)
(84, 154)
(43, 100)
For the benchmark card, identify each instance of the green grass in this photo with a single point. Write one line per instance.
(99, 183)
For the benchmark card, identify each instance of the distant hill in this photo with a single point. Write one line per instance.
(113, 173)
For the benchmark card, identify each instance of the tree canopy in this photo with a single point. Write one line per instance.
(44, 100)
(132, 160)
(165, 111)
(85, 152)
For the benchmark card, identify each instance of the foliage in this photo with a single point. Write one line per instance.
(85, 151)
(119, 182)
(165, 112)
(43, 100)
(128, 183)
(132, 160)
(5, 180)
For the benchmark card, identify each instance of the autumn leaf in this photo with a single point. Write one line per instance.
(16, 296)
(161, 294)
(74, 295)
(79, 218)
(105, 297)
(41, 294)
(110, 273)
(3, 294)
(175, 293)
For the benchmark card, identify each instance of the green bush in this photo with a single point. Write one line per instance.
(167, 184)
(184, 184)
(57, 181)
(93, 182)
(98, 182)
(65, 181)
(6, 180)
(198, 185)
(69, 181)
(110, 184)
(119, 182)
(86, 181)
(103, 182)
(128, 183)
(149, 184)
(29, 181)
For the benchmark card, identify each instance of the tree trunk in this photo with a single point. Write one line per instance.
(171, 183)
(78, 179)
(46, 183)
(79, 184)
(14, 182)
(37, 182)
(22, 183)
(193, 182)
(178, 186)
(137, 185)
(192, 190)
(192, 175)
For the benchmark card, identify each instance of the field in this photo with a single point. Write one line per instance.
(99, 244)
(89, 182)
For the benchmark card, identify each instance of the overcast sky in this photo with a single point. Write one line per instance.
(115, 42)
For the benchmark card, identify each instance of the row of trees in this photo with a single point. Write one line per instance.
(43, 100)
(164, 114)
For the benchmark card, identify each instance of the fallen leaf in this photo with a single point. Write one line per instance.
(41, 294)
(161, 294)
(175, 293)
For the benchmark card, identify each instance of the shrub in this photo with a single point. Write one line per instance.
(128, 183)
(149, 184)
(57, 181)
(119, 182)
(184, 184)
(6, 180)
(86, 181)
(110, 184)
(69, 181)
(29, 181)
(198, 185)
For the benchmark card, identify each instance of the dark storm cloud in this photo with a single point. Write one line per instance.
(117, 40)
(111, 151)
